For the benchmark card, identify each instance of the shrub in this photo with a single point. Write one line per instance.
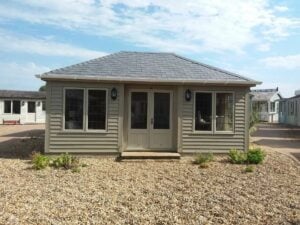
(203, 159)
(237, 157)
(255, 156)
(249, 169)
(66, 161)
(40, 161)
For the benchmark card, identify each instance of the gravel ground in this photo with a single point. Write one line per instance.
(151, 192)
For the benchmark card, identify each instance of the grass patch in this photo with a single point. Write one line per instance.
(249, 169)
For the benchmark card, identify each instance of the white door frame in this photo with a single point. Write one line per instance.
(150, 132)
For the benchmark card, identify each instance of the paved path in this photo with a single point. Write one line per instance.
(281, 138)
(18, 141)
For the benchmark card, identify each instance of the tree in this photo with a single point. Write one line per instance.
(42, 88)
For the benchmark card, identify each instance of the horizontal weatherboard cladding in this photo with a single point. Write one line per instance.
(193, 141)
(60, 140)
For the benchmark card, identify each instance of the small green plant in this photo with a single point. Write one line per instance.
(249, 169)
(66, 161)
(255, 156)
(203, 159)
(40, 161)
(84, 165)
(237, 157)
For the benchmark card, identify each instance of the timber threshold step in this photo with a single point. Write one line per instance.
(150, 155)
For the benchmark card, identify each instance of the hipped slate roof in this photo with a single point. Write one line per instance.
(264, 94)
(147, 67)
(12, 94)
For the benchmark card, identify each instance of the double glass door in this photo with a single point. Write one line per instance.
(150, 120)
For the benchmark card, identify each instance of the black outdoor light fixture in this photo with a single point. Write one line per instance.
(188, 95)
(114, 94)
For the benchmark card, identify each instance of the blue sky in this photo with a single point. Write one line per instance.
(258, 38)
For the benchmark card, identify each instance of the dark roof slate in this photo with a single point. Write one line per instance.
(14, 94)
(148, 66)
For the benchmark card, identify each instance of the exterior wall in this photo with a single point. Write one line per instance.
(115, 138)
(290, 111)
(191, 141)
(59, 140)
(40, 115)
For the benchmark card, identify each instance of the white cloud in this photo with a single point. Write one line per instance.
(190, 25)
(12, 42)
(284, 62)
(23, 75)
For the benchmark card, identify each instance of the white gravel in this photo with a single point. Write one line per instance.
(151, 192)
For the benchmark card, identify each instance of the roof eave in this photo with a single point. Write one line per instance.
(46, 77)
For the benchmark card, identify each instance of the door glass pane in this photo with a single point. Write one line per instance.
(74, 109)
(16, 107)
(161, 111)
(96, 109)
(31, 107)
(203, 111)
(139, 108)
(224, 112)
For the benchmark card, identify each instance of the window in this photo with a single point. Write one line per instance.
(31, 107)
(74, 108)
(43, 105)
(97, 109)
(224, 112)
(7, 106)
(214, 111)
(16, 107)
(272, 107)
(203, 111)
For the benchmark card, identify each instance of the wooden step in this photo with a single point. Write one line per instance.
(150, 155)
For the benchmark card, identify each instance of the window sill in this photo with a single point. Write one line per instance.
(85, 131)
(214, 133)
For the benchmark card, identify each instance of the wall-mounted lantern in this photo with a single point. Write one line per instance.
(38, 103)
(23, 103)
(188, 95)
(114, 93)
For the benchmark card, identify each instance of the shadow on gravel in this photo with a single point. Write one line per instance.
(294, 144)
(20, 145)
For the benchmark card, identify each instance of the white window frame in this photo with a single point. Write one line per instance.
(233, 114)
(11, 107)
(85, 112)
(64, 110)
(214, 109)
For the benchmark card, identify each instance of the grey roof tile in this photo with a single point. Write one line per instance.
(146, 65)
(13, 94)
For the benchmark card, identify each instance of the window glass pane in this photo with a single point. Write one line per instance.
(7, 106)
(44, 106)
(203, 111)
(16, 107)
(139, 108)
(96, 109)
(31, 107)
(272, 106)
(161, 111)
(224, 111)
(74, 109)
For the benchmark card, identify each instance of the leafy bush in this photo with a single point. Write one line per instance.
(40, 161)
(237, 157)
(203, 159)
(249, 169)
(252, 156)
(255, 156)
(66, 161)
